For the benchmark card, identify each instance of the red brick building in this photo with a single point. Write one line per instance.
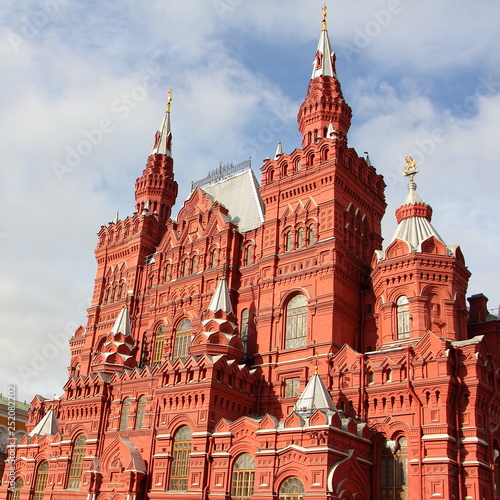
(265, 346)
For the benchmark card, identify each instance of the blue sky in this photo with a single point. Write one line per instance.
(422, 78)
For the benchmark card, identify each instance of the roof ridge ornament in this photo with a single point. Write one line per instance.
(323, 24)
(169, 100)
(410, 168)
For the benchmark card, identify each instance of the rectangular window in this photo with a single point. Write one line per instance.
(292, 387)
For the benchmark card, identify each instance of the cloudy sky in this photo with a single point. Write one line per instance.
(83, 90)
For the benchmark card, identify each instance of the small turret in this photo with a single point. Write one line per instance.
(419, 281)
(219, 335)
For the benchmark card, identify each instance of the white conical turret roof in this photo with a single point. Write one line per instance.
(48, 425)
(279, 151)
(315, 397)
(415, 229)
(221, 300)
(122, 322)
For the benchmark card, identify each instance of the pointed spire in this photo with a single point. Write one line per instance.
(163, 138)
(315, 397)
(220, 300)
(367, 159)
(279, 151)
(324, 62)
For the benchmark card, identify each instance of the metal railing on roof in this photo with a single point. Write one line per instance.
(222, 172)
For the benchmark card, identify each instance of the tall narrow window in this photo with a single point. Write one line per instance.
(141, 409)
(17, 489)
(158, 345)
(249, 255)
(244, 329)
(288, 241)
(311, 234)
(243, 477)
(166, 274)
(292, 488)
(182, 339)
(394, 469)
(42, 475)
(180, 460)
(125, 414)
(185, 267)
(296, 322)
(403, 313)
(214, 258)
(194, 266)
(75, 471)
(300, 237)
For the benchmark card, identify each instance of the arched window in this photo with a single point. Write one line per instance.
(296, 322)
(75, 370)
(244, 329)
(288, 241)
(249, 255)
(106, 295)
(394, 469)
(403, 314)
(124, 415)
(311, 235)
(180, 460)
(243, 477)
(300, 237)
(17, 489)
(292, 488)
(213, 262)
(298, 166)
(158, 345)
(182, 339)
(41, 477)
(166, 273)
(185, 267)
(141, 409)
(194, 266)
(75, 471)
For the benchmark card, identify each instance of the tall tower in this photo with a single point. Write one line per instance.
(123, 248)
(324, 206)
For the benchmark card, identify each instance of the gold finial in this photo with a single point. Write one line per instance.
(323, 25)
(169, 100)
(410, 168)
